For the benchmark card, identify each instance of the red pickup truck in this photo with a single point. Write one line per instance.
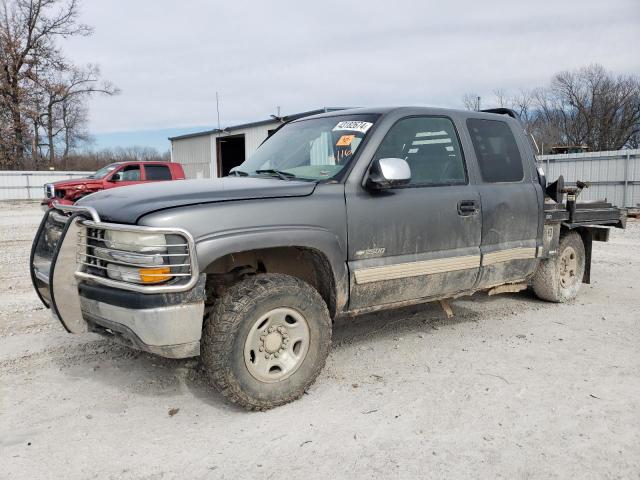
(121, 174)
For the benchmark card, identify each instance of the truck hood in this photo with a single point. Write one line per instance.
(65, 184)
(128, 204)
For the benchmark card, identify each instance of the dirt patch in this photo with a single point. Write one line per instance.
(508, 387)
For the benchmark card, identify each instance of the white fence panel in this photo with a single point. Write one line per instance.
(614, 176)
(25, 185)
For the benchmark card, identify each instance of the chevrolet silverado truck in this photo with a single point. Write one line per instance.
(336, 214)
(119, 174)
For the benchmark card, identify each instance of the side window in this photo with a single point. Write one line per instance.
(496, 149)
(130, 173)
(157, 172)
(431, 148)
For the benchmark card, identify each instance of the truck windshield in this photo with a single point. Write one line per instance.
(313, 149)
(104, 171)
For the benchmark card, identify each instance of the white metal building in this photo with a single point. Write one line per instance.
(212, 153)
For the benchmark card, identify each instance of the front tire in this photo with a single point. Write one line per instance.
(266, 341)
(558, 279)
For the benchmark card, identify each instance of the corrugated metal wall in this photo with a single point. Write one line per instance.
(28, 185)
(198, 155)
(194, 154)
(253, 137)
(613, 175)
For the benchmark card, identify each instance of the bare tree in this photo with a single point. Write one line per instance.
(597, 108)
(94, 159)
(64, 92)
(471, 101)
(28, 29)
(501, 98)
(74, 121)
(588, 107)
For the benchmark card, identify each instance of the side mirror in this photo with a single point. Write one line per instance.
(116, 177)
(388, 173)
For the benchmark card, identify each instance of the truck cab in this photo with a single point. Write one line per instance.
(334, 215)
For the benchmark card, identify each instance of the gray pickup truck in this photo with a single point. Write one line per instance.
(336, 214)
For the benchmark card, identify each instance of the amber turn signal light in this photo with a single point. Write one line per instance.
(154, 275)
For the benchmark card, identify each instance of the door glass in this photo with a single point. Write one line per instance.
(157, 172)
(496, 150)
(431, 148)
(129, 174)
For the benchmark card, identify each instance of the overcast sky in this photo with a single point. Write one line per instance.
(170, 57)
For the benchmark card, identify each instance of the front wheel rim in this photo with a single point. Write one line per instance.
(276, 345)
(568, 267)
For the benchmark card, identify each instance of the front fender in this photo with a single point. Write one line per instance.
(214, 246)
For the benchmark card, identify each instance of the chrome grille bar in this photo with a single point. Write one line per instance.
(133, 253)
(146, 274)
(89, 237)
(75, 208)
(139, 265)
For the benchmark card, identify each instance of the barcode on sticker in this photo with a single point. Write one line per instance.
(353, 126)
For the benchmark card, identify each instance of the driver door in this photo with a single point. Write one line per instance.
(127, 175)
(421, 240)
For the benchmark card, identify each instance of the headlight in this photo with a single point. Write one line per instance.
(135, 242)
(49, 190)
(131, 255)
(137, 255)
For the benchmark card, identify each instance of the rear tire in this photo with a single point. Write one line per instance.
(266, 341)
(558, 279)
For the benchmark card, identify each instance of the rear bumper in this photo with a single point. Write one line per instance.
(166, 324)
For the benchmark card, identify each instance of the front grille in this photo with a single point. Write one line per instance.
(97, 257)
(88, 245)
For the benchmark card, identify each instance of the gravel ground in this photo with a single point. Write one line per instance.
(511, 387)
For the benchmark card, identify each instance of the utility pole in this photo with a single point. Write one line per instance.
(218, 109)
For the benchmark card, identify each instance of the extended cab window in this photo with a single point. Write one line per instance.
(157, 172)
(431, 148)
(496, 150)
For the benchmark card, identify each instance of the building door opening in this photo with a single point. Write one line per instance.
(230, 153)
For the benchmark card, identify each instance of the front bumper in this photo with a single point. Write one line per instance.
(167, 324)
(169, 330)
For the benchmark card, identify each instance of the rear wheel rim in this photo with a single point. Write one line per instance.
(568, 267)
(276, 345)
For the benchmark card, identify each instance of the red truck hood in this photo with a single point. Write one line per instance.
(65, 184)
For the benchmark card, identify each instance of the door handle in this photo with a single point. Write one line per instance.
(468, 207)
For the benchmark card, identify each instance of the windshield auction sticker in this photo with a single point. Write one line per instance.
(353, 126)
(345, 140)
